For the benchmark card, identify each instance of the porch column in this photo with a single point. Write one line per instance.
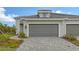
(24, 29)
(62, 29)
(27, 30)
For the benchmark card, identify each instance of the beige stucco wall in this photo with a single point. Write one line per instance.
(60, 21)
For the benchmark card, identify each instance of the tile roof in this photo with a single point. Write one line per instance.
(52, 15)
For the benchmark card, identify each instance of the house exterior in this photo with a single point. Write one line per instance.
(48, 24)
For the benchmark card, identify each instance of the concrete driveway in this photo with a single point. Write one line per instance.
(47, 44)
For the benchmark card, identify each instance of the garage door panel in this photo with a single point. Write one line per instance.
(72, 29)
(43, 30)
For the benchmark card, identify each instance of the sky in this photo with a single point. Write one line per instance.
(7, 14)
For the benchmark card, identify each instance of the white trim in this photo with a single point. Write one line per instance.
(62, 29)
(58, 30)
(54, 22)
(24, 29)
(27, 30)
(28, 19)
(72, 22)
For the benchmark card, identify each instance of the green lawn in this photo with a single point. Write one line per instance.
(7, 49)
(7, 44)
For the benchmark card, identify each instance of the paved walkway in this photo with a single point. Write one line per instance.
(47, 44)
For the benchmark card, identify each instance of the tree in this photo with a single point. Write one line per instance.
(7, 29)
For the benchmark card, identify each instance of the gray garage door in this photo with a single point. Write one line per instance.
(41, 30)
(72, 29)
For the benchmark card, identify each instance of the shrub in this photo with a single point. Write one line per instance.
(21, 35)
(70, 37)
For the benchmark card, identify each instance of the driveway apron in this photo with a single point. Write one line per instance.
(47, 44)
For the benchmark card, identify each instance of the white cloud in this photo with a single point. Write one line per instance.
(7, 19)
(4, 17)
(2, 10)
(58, 11)
(61, 12)
(12, 15)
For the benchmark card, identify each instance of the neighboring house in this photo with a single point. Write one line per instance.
(48, 24)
